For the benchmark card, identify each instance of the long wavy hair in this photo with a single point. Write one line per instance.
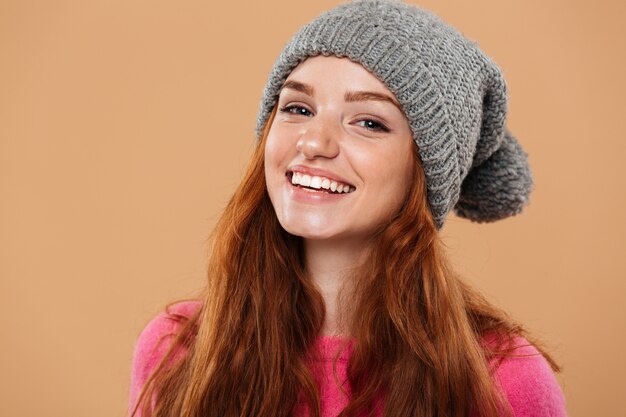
(419, 330)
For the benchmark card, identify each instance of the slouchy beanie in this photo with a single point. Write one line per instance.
(453, 95)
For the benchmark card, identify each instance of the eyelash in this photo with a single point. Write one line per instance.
(381, 127)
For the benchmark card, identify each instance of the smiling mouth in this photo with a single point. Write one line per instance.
(319, 184)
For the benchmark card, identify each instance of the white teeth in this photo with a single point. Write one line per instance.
(316, 182)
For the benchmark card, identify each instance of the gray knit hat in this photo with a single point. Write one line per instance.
(453, 95)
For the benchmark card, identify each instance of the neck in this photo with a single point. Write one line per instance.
(329, 265)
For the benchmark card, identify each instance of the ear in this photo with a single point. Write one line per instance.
(499, 186)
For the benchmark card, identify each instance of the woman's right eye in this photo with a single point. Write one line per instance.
(295, 109)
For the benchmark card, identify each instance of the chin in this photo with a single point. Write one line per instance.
(308, 231)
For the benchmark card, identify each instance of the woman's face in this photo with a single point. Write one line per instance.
(338, 153)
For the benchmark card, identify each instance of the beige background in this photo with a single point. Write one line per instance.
(125, 125)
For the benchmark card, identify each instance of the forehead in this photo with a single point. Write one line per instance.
(336, 72)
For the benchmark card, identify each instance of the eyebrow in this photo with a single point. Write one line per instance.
(350, 96)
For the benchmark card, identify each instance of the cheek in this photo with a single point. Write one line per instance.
(273, 155)
(391, 176)
(277, 147)
(270, 149)
(277, 158)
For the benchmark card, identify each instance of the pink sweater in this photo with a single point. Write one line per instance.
(528, 382)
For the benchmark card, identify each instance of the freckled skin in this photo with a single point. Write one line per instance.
(347, 138)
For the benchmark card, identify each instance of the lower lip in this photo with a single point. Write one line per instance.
(307, 195)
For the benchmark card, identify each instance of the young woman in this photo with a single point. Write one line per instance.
(329, 292)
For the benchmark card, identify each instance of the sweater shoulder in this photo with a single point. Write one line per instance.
(529, 384)
(154, 341)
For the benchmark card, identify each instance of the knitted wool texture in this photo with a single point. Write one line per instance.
(453, 95)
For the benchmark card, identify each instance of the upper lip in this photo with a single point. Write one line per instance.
(318, 172)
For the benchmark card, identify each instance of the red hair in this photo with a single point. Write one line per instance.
(419, 329)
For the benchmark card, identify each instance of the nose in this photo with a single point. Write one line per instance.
(319, 139)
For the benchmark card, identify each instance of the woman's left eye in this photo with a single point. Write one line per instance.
(374, 125)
